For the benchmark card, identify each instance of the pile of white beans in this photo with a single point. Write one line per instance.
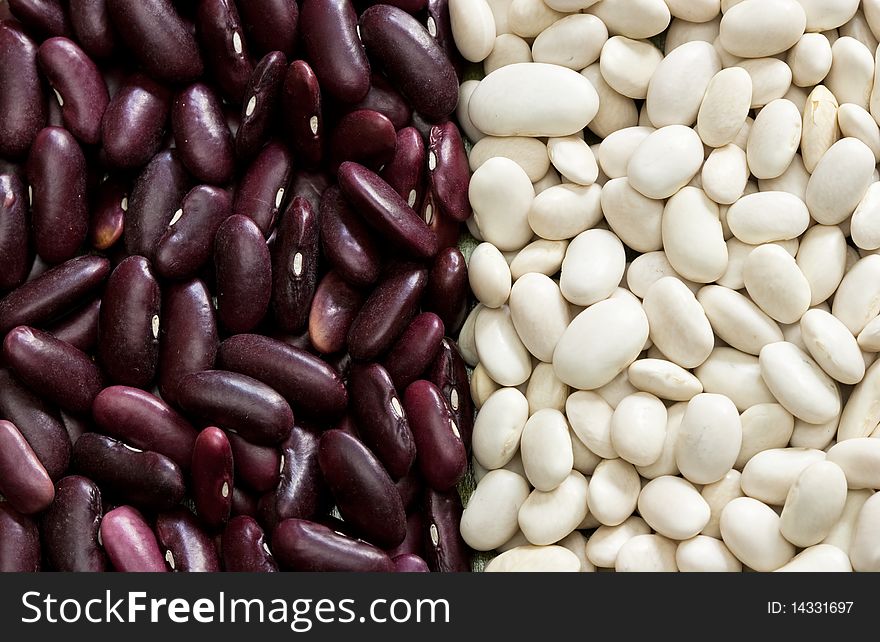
(675, 344)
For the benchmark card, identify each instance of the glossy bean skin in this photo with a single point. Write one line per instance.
(295, 265)
(445, 550)
(79, 85)
(386, 312)
(245, 548)
(260, 193)
(364, 136)
(224, 45)
(22, 107)
(441, 458)
(23, 481)
(79, 328)
(188, 549)
(202, 135)
(260, 104)
(306, 546)
(410, 563)
(130, 543)
(15, 252)
(301, 489)
(386, 211)
(135, 121)
(381, 419)
(60, 373)
(188, 244)
(334, 308)
(449, 373)
(107, 220)
(447, 291)
(244, 274)
(271, 24)
(449, 171)
(383, 98)
(45, 16)
(90, 20)
(236, 402)
(257, 466)
(56, 170)
(412, 60)
(158, 37)
(304, 120)
(212, 472)
(347, 241)
(19, 542)
(444, 227)
(414, 350)
(405, 173)
(70, 527)
(439, 26)
(128, 329)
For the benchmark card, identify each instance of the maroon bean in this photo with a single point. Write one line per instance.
(90, 20)
(23, 481)
(134, 122)
(108, 214)
(188, 549)
(410, 563)
(70, 527)
(244, 274)
(130, 543)
(334, 308)
(445, 550)
(22, 108)
(257, 466)
(381, 418)
(449, 171)
(364, 136)
(245, 548)
(440, 27)
(19, 542)
(295, 265)
(412, 60)
(44, 16)
(15, 252)
(301, 105)
(306, 546)
(260, 104)
(56, 171)
(447, 291)
(386, 312)
(414, 542)
(414, 351)
(260, 192)
(212, 471)
(202, 135)
(271, 24)
(79, 328)
(243, 503)
(384, 99)
(347, 241)
(445, 228)
(386, 211)
(189, 240)
(301, 489)
(238, 403)
(405, 173)
(441, 458)
(226, 51)
(449, 374)
(158, 37)
(310, 185)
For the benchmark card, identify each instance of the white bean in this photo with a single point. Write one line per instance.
(574, 42)
(814, 504)
(819, 558)
(864, 552)
(679, 83)
(628, 65)
(755, 28)
(709, 438)
(563, 211)
(547, 517)
(703, 554)
(769, 475)
(646, 554)
(750, 530)
(737, 320)
(490, 517)
(764, 426)
(673, 507)
(546, 449)
(614, 491)
(693, 238)
(529, 153)
(718, 495)
(833, 347)
(539, 314)
(539, 559)
(840, 180)
(638, 428)
(776, 284)
(501, 196)
(573, 159)
(605, 542)
(498, 427)
(593, 266)
(860, 460)
(500, 349)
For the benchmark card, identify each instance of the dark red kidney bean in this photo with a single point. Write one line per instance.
(15, 252)
(79, 328)
(188, 549)
(381, 419)
(445, 228)
(130, 542)
(414, 351)
(309, 185)
(334, 308)
(410, 563)
(295, 265)
(303, 118)
(224, 46)
(409, 487)
(56, 171)
(146, 422)
(128, 329)
(202, 136)
(212, 472)
(38, 423)
(386, 312)
(79, 86)
(155, 197)
(386, 210)
(188, 335)
(159, 38)
(347, 241)
(44, 16)
(70, 527)
(243, 503)
(143, 478)
(189, 240)
(364, 136)
(260, 192)
(244, 274)
(440, 27)
(449, 374)
(271, 24)
(441, 458)
(329, 34)
(245, 548)
(91, 24)
(301, 489)
(57, 371)
(260, 104)
(22, 108)
(412, 60)
(363, 491)
(259, 467)
(414, 542)
(449, 171)
(307, 546)
(23, 481)
(405, 173)
(19, 542)
(445, 550)
(134, 122)
(107, 220)
(447, 291)
(238, 403)
(384, 99)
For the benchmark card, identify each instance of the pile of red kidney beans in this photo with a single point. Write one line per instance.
(228, 263)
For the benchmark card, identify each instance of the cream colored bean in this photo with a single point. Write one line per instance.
(618, 147)
(764, 426)
(682, 31)
(585, 460)
(546, 449)
(737, 251)
(725, 174)
(508, 49)
(482, 385)
(821, 258)
(577, 544)
(515, 465)
(813, 435)
(665, 464)
(500, 9)
(799, 383)
(793, 180)
(547, 517)
(736, 320)
(754, 28)
(769, 475)
(840, 180)
(646, 554)
(563, 211)
(590, 418)
(489, 276)
(528, 18)
(614, 491)
(473, 28)
(541, 256)
(627, 65)
(490, 517)
(633, 18)
(832, 346)
(857, 300)
(638, 428)
(748, 220)
(515, 542)
(854, 121)
(774, 139)
(864, 552)
(545, 389)
(718, 495)
(461, 111)
(735, 375)
(593, 266)
(819, 558)
(498, 427)
(634, 218)
(573, 159)
(500, 349)
(466, 341)
(673, 507)
(860, 460)
(665, 379)
(615, 111)
(823, 15)
(709, 438)
(857, 27)
(679, 327)
(750, 530)
(865, 222)
(776, 284)
(529, 153)
(648, 268)
(771, 79)
(809, 59)
(605, 542)
(869, 337)
(539, 559)
(665, 161)
(841, 534)
(814, 504)
(539, 314)
(693, 237)
(820, 130)
(703, 554)
(852, 72)
(574, 42)
(676, 89)
(570, 5)
(501, 195)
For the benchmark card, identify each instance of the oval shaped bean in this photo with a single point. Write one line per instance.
(22, 108)
(334, 308)
(70, 527)
(363, 136)
(260, 104)
(446, 291)
(673, 507)
(244, 274)
(134, 122)
(306, 546)
(188, 549)
(301, 100)
(295, 265)
(15, 253)
(257, 466)
(445, 550)
(245, 548)
(202, 135)
(547, 517)
(24, 481)
(769, 475)
(222, 40)
(347, 241)
(750, 530)
(415, 350)
(709, 419)
(673, 314)
(798, 383)
(448, 171)
(301, 489)
(90, 21)
(212, 472)
(814, 504)
(19, 542)
(130, 543)
(442, 457)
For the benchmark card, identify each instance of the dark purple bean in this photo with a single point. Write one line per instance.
(23, 481)
(107, 220)
(386, 312)
(128, 330)
(260, 192)
(364, 493)
(134, 122)
(410, 563)
(259, 467)
(440, 27)
(159, 38)
(334, 308)
(15, 251)
(19, 542)
(384, 99)
(202, 135)
(381, 418)
(155, 197)
(79, 328)
(386, 210)
(405, 173)
(245, 548)
(310, 185)
(130, 543)
(445, 228)
(301, 489)
(295, 265)
(445, 550)
(189, 240)
(271, 24)
(57, 371)
(44, 16)
(414, 542)
(260, 104)
(143, 478)
(441, 458)
(244, 274)
(22, 108)
(329, 34)
(56, 171)
(414, 351)
(447, 291)
(364, 136)
(243, 503)
(301, 106)
(238, 403)
(70, 527)
(226, 51)
(347, 241)
(212, 471)
(188, 549)
(146, 422)
(91, 24)
(412, 60)
(449, 374)
(449, 171)
(306, 546)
